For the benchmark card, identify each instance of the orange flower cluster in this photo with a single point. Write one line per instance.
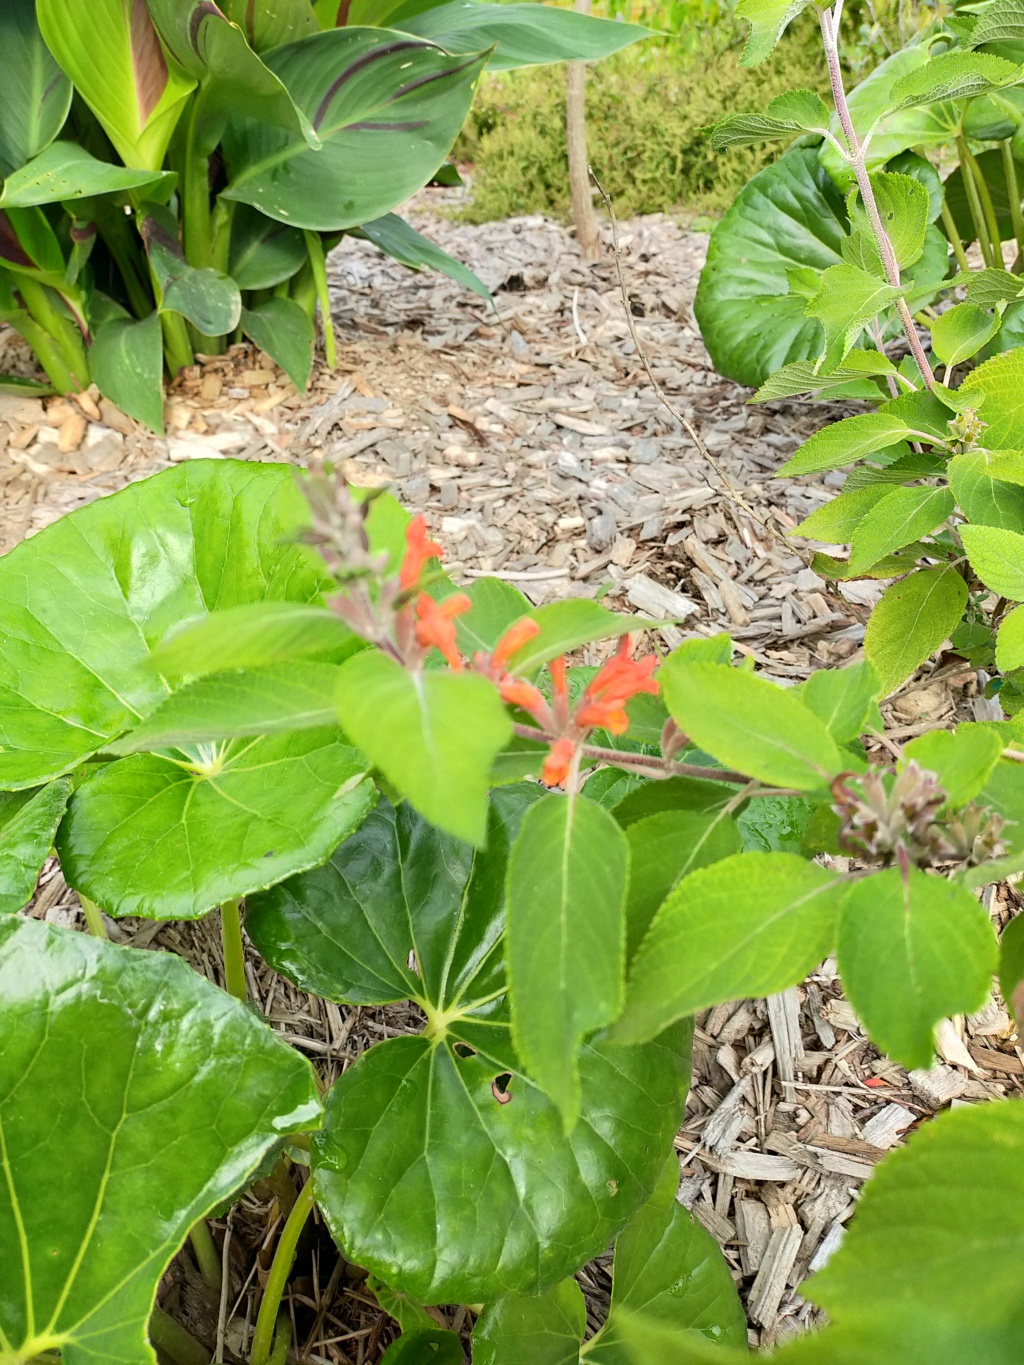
(419, 548)
(435, 625)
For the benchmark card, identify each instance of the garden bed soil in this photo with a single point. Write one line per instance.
(531, 438)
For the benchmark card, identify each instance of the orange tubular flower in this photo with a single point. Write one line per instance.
(516, 692)
(556, 768)
(435, 625)
(619, 679)
(514, 638)
(418, 549)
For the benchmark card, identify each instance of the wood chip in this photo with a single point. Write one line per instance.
(779, 1259)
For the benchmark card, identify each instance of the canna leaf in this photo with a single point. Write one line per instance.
(36, 94)
(997, 557)
(565, 938)
(911, 621)
(126, 1074)
(797, 111)
(271, 23)
(284, 330)
(750, 925)
(847, 299)
(127, 362)
(386, 107)
(64, 171)
(112, 54)
(28, 822)
(207, 297)
(396, 238)
(264, 252)
(901, 516)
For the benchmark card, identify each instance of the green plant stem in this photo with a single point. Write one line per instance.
(829, 32)
(115, 228)
(1013, 190)
(174, 1341)
(93, 917)
(955, 240)
(206, 1254)
(66, 361)
(315, 247)
(197, 219)
(234, 950)
(282, 1341)
(177, 347)
(302, 288)
(284, 1255)
(988, 208)
(974, 203)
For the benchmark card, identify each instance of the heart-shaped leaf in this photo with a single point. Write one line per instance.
(386, 107)
(444, 1170)
(84, 602)
(28, 822)
(167, 1091)
(35, 96)
(170, 836)
(207, 297)
(283, 329)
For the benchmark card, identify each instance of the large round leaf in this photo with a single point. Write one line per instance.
(84, 602)
(170, 837)
(386, 106)
(134, 1097)
(784, 228)
(442, 1168)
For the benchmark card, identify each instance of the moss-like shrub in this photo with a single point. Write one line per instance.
(646, 108)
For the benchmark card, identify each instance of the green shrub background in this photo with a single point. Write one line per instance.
(646, 108)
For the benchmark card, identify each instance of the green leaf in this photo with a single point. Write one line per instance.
(28, 822)
(999, 386)
(170, 837)
(902, 516)
(842, 698)
(496, 606)
(113, 56)
(395, 237)
(933, 1248)
(36, 94)
(789, 215)
(251, 635)
(960, 333)
(796, 111)
(670, 1271)
(208, 298)
(847, 299)
(997, 557)
(1002, 21)
(264, 252)
(802, 376)
(270, 23)
(427, 1174)
(433, 734)
(751, 724)
(673, 793)
(990, 164)
(297, 695)
(1010, 641)
(952, 76)
(914, 465)
(903, 207)
(851, 439)
(83, 602)
(520, 35)
(663, 848)
(988, 288)
(910, 622)
(169, 1093)
(980, 494)
(768, 19)
(565, 938)
(283, 329)
(962, 761)
(542, 1329)
(127, 363)
(777, 824)
(835, 521)
(566, 625)
(913, 949)
(1006, 466)
(1011, 967)
(1004, 792)
(65, 171)
(386, 107)
(427, 1344)
(750, 925)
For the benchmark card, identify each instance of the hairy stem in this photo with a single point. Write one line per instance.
(829, 33)
(174, 1341)
(93, 917)
(284, 1255)
(206, 1254)
(234, 950)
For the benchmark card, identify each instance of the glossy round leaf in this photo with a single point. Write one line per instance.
(150, 836)
(444, 1170)
(134, 1097)
(84, 602)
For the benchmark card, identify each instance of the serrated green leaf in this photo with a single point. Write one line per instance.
(796, 111)
(997, 387)
(911, 950)
(28, 822)
(565, 938)
(836, 520)
(906, 468)
(952, 76)
(962, 761)
(1011, 967)
(802, 376)
(903, 207)
(674, 793)
(433, 734)
(989, 287)
(250, 636)
(1007, 466)
(847, 299)
(910, 622)
(981, 496)
(169, 1093)
(901, 516)
(1010, 641)
(997, 557)
(750, 925)
(768, 20)
(543, 1329)
(961, 332)
(851, 439)
(565, 626)
(842, 698)
(750, 724)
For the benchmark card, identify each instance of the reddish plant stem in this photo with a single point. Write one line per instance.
(867, 194)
